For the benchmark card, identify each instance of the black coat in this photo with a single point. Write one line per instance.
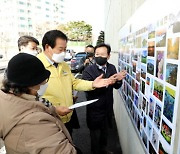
(102, 110)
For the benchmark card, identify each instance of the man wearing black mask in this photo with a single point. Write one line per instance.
(99, 114)
(89, 59)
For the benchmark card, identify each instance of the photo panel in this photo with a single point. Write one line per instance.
(151, 107)
(160, 64)
(173, 48)
(151, 48)
(166, 132)
(163, 149)
(151, 149)
(171, 73)
(149, 129)
(155, 139)
(143, 71)
(157, 115)
(150, 66)
(158, 90)
(144, 138)
(151, 31)
(142, 86)
(161, 37)
(144, 41)
(169, 100)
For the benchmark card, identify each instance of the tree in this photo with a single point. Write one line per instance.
(100, 38)
(77, 31)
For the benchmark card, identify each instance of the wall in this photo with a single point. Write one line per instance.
(129, 140)
(117, 12)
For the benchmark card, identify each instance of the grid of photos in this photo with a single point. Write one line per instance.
(150, 56)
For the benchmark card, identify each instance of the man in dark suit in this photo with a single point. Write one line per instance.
(99, 114)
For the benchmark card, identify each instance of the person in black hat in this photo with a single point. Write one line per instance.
(28, 123)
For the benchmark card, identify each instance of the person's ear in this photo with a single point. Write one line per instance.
(109, 56)
(47, 47)
(22, 48)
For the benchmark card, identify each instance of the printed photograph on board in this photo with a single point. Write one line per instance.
(138, 42)
(163, 149)
(151, 48)
(166, 132)
(159, 64)
(150, 66)
(144, 138)
(151, 31)
(142, 86)
(144, 41)
(157, 116)
(173, 48)
(158, 90)
(174, 19)
(143, 71)
(144, 56)
(169, 100)
(151, 149)
(155, 139)
(151, 107)
(138, 74)
(134, 66)
(161, 37)
(149, 129)
(171, 73)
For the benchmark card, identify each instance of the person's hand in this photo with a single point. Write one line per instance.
(86, 61)
(100, 82)
(113, 78)
(120, 75)
(62, 110)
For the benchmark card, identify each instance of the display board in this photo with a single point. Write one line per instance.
(150, 53)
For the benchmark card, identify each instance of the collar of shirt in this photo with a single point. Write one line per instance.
(103, 68)
(51, 62)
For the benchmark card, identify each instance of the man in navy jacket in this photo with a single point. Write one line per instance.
(99, 114)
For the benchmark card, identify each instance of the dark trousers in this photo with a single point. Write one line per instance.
(73, 123)
(99, 139)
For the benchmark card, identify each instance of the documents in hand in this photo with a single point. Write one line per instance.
(82, 104)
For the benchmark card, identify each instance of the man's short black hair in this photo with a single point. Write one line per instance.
(107, 46)
(24, 40)
(51, 36)
(89, 46)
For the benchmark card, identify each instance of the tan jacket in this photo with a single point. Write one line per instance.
(29, 127)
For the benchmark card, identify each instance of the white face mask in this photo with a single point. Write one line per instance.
(58, 58)
(32, 52)
(42, 89)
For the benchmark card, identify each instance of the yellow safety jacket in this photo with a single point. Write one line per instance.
(61, 84)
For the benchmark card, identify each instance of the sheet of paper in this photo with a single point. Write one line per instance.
(82, 103)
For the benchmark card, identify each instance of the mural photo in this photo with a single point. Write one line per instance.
(150, 66)
(169, 100)
(160, 64)
(161, 38)
(166, 132)
(173, 48)
(158, 90)
(151, 48)
(171, 73)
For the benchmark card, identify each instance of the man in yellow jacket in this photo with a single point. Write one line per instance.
(61, 82)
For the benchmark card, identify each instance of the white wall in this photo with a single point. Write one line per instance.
(129, 140)
(117, 12)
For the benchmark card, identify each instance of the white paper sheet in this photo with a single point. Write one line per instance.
(82, 104)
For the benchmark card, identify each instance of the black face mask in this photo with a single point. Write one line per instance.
(101, 60)
(89, 54)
